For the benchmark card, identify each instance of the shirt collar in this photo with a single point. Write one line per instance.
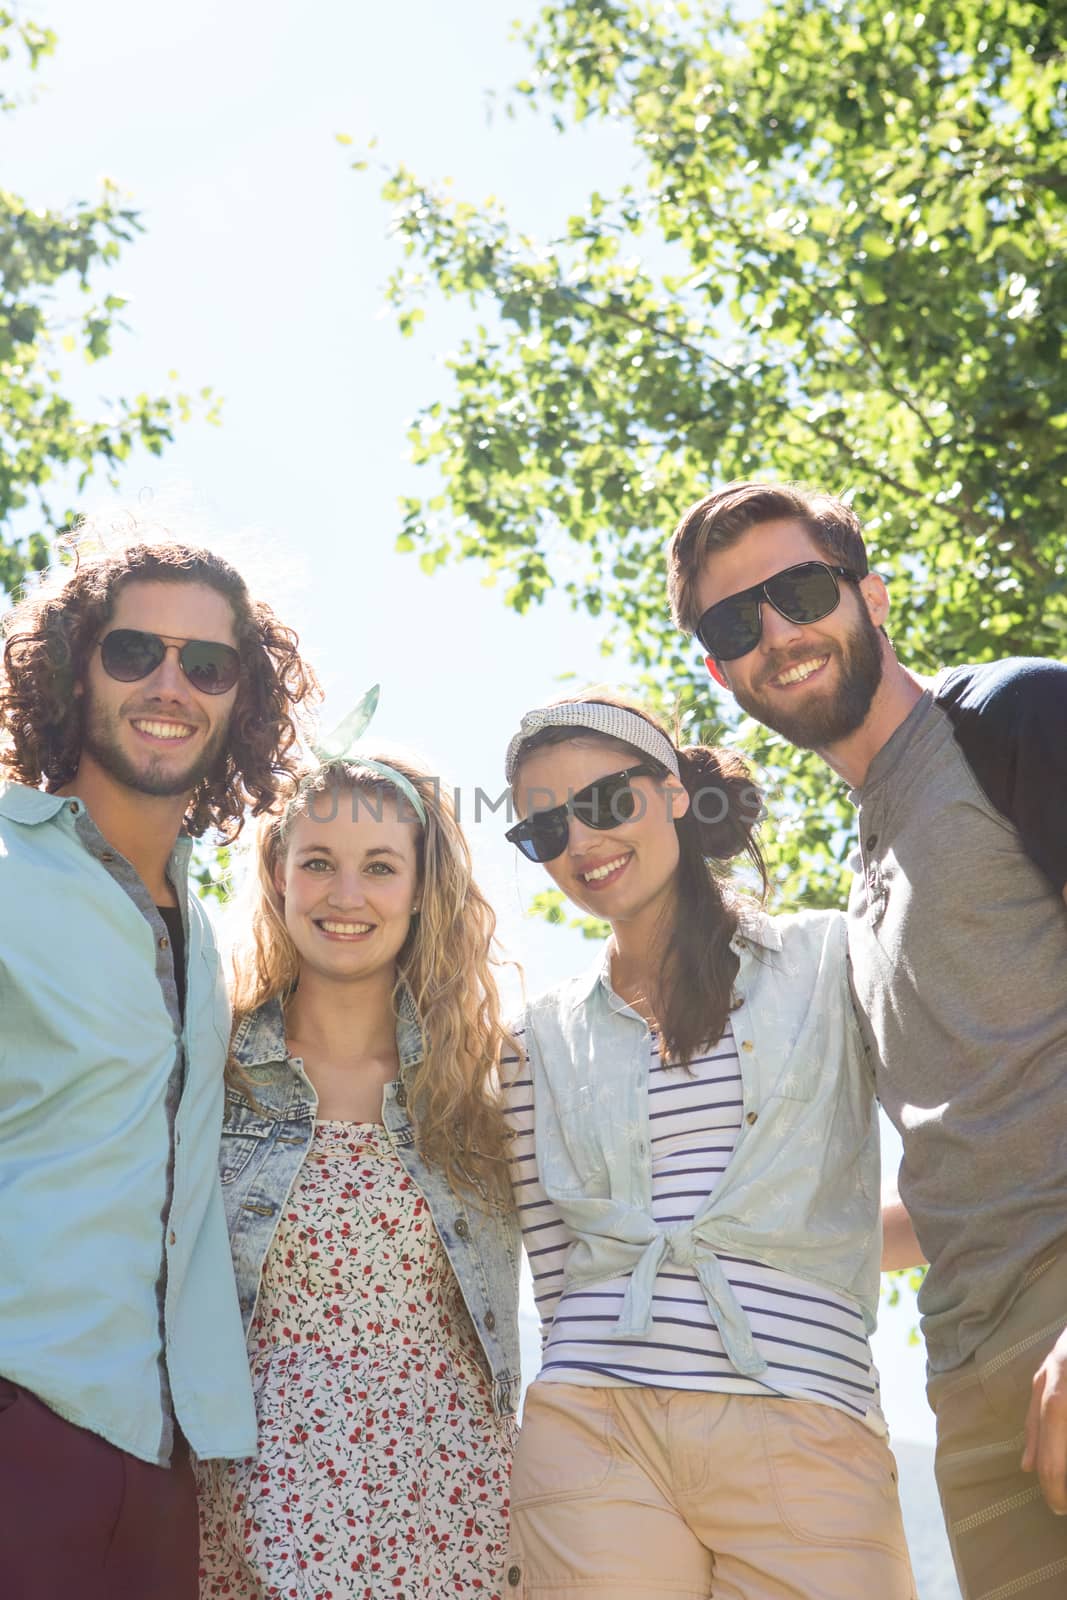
(754, 927)
(597, 972)
(30, 807)
(18, 803)
(260, 1036)
(889, 757)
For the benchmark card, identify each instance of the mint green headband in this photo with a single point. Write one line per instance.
(341, 747)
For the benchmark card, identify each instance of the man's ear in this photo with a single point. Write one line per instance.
(875, 597)
(716, 671)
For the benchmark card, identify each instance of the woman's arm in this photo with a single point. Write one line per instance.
(900, 1247)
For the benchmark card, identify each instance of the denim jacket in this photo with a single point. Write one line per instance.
(263, 1149)
(801, 1190)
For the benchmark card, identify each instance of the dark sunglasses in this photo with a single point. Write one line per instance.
(129, 655)
(607, 803)
(804, 593)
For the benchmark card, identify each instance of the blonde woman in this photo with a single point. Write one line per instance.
(370, 1218)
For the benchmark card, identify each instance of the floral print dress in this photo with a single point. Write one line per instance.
(382, 1470)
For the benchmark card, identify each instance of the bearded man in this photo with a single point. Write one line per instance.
(144, 697)
(958, 946)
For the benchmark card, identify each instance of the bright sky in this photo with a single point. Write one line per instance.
(261, 274)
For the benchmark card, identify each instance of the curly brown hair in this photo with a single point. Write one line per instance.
(52, 630)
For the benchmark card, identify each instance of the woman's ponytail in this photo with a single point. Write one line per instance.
(725, 806)
(698, 963)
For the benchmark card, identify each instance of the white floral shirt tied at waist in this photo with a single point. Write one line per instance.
(689, 1245)
(801, 1191)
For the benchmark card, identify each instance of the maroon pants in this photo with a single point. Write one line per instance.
(79, 1517)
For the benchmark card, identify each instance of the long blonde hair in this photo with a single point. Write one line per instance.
(447, 961)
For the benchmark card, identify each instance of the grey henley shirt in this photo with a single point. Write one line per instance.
(958, 943)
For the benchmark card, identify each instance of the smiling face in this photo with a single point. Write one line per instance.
(348, 881)
(811, 682)
(158, 736)
(618, 873)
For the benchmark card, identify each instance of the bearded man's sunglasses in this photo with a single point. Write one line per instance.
(129, 655)
(804, 593)
(607, 803)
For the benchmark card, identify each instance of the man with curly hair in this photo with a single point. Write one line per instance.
(142, 700)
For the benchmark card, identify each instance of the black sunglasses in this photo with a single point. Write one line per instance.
(606, 803)
(129, 655)
(804, 593)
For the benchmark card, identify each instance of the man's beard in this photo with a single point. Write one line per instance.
(827, 719)
(100, 740)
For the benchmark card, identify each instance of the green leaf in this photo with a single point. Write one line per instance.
(852, 277)
(52, 263)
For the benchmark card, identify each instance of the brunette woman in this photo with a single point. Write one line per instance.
(696, 1170)
(370, 1218)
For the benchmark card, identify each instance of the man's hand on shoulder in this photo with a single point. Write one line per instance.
(1046, 1427)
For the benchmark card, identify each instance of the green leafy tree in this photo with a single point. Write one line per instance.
(841, 258)
(49, 262)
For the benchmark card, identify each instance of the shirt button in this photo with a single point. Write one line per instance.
(490, 1320)
(514, 1577)
(164, 943)
(401, 1096)
(172, 1237)
(872, 840)
(74, 808)
(751, 1117)
(746, 1044)
(462, 1227)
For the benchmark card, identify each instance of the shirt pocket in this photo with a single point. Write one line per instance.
(575, 1148)
(799, 1078)
(244, 1134)
(794, 1060)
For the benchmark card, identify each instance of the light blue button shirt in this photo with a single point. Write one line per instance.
(801, 1190)
(118, 1306)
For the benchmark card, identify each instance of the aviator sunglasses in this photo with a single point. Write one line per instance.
(129, 655)
(607, 803)
(804, 593)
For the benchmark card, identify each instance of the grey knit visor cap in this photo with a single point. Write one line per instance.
(613, 721)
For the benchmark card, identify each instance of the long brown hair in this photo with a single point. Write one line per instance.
(692, 989)
(49, 637)
(448, 963)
